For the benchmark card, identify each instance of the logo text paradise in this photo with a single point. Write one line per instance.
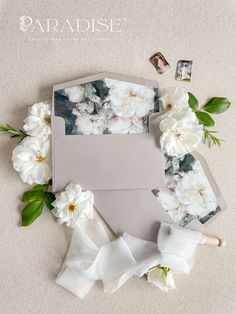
(79, 25)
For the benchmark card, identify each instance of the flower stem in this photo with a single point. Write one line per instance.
(13, 133)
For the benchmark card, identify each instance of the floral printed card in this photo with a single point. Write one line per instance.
(106, 106)
(187, 194)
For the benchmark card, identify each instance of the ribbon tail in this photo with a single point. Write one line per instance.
(80, 268)
(75, 282)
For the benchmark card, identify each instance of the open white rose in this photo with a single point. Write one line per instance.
(38, 121)
(180, 135)
(32, 159)
(174, 100)
(73, 205)
(137, 125)
(90, 124)
(171, 204)
(129, 99)
(75, 93)
(195, 192)
(161, 278)
(120, 125)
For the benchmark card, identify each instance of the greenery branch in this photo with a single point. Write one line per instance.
(215, 105)
(13, 133)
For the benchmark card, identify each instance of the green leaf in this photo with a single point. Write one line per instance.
(31, 212)
(217, 105)
(49, 197)
(30, 196)
(204, 118)
(38, 187)
(193, 102)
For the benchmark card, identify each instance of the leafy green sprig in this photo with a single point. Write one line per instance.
(215, 105)
(13, 133)
(35, 200)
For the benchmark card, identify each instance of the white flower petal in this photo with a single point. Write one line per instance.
(90, 124)
(119, 125)
(180, 135)
(158, 278)
(128, 99)
(37, 123)
(73, 205)
(32, 158)
(75, 93)
(195, 193)
(174, 100)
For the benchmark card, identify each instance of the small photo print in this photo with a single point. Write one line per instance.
(184, 70)
(159, 62)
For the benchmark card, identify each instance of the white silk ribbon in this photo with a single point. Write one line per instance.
(92, 256)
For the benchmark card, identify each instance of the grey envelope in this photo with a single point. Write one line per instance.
(105, 162)
(121, 170)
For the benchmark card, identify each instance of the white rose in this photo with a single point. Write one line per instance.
(32, 159)
(172, 205)
(180, 135)
(38, 121)
(162, 278)
(129, 99)
(137, 125)
(174, 100)
(90, 124)
(75, 93)
(195, 192)
(73, 205)
(120, 125)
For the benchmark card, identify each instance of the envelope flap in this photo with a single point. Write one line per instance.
(107, 162)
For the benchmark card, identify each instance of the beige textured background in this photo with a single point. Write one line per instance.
(202, 31)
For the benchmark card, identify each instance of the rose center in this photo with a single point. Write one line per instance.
(132, 94)
(47, 119)
(71, 207)
(40, 158)
(169, 107)
(201, 191)
(178, 134)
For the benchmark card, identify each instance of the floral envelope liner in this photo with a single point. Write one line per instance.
(116, 107)
(187, 194)
(106, 107)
